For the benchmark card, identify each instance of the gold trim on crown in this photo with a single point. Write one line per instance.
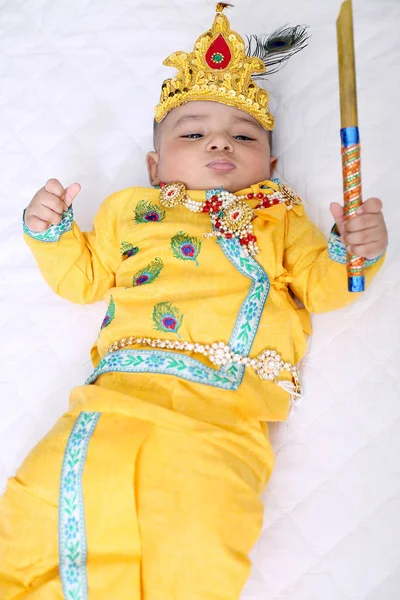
(218, 69)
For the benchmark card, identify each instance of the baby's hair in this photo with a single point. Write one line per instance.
(156, 136)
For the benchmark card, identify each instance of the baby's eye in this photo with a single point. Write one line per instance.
(245, 137)
(190, 135)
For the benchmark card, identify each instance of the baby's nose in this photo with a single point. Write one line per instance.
(220, 143)
(219, 147)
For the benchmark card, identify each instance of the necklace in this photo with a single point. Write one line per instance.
(230, 216)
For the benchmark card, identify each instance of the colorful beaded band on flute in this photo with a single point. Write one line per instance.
(267, 364)
(351, 164)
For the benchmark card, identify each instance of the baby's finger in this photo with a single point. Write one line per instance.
(337, 212)
(48, 215)
(372, 205)
(53, 186)
(35, 224)
(71, 192)
(54, 203)
(366, 236)
(368, 251)
(359, 223)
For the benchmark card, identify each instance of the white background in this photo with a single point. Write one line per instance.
(78, 81)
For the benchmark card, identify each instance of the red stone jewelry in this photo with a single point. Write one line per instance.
(230, 216)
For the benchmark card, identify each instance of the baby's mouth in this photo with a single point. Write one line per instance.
(221, 165)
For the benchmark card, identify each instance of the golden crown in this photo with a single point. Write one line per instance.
(218, 69)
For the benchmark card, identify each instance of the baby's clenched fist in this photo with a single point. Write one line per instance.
(366, 233)
(49, 204)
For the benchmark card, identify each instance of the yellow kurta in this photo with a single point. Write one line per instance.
(150, 484)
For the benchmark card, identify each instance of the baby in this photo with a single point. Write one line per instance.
(149, 486)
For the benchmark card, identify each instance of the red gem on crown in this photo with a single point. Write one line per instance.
(218, 47)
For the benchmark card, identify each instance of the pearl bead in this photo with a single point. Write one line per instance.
(220, 353)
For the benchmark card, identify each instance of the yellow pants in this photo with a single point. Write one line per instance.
(127, 499)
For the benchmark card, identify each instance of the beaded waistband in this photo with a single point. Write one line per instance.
(267, 364)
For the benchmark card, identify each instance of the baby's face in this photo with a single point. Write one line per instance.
(207, 145)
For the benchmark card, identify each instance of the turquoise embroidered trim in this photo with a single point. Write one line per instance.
(165, 362)
(337, 250)
(248, 319)
(54, 232)
(372, 261)
(241, 340)
(71, 520)
(275, 180)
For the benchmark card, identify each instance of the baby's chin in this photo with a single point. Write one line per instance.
(227, 181)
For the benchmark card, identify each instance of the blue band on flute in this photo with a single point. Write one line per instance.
(350, 136)
(356, 284)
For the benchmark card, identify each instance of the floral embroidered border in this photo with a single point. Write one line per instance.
(337, 250)
(54, 232)
(248, 319)
(165, 362)
(72, 534)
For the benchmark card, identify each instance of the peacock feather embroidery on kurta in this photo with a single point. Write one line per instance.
(110, 314)
(185, 247)
(149, 273)
(167, 317)
(128, 249)
(147, 212)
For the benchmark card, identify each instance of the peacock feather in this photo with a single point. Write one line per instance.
(276, 48)
(128, 250)
(149, 273)
(185, 247)
(147, 212)
(167, 317)
(110, 314)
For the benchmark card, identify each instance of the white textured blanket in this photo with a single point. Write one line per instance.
(78, 81)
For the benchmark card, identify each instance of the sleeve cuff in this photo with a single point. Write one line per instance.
(54, 232)
(337, 250)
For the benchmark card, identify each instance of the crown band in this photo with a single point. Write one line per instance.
(219, 70)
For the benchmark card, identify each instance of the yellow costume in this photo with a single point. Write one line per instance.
(174, 457)
(149, 486)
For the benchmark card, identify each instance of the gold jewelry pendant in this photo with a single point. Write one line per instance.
(237, 216)
(289, 195)
(172, 194)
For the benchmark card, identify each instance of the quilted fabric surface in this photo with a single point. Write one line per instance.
(78, 83)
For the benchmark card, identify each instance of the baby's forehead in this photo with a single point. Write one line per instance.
(207, 110)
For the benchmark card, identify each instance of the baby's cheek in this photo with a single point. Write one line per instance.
(174, 164)
(261, 167)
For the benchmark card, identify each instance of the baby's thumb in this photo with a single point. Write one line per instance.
(337, 212)
(70, 193)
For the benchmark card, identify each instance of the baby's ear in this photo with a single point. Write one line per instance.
(152, 167)
(273, 161)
